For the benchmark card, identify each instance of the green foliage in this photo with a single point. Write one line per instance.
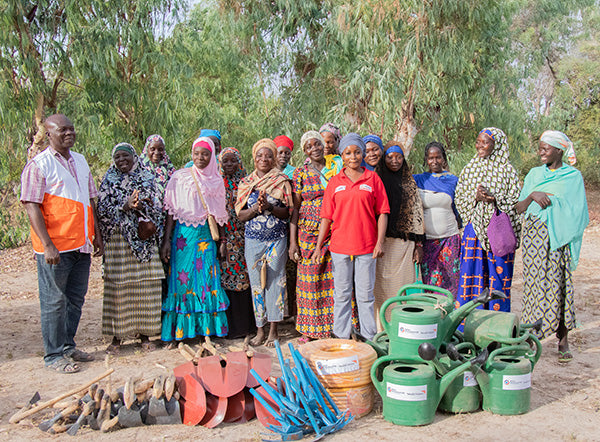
(15, 226)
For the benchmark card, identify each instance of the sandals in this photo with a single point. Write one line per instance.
(113, 349)
(565, 356)
(148, 346)
(64, 366)
(304, 340)
(79, 356)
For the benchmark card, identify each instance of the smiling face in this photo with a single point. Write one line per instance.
(435, 160)
(284, 154)
(264, 160)
(314, 150)
(156, 151)
(352, 157)
(331, 144)
(60, 132)
(484, 145)
(550, 155)
(123, 160)
(373, 154)
(394, 161)
(201, 157)
(230, 164)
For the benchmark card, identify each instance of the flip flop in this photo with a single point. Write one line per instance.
(79, 356)
(565, 356)
(148, 346)
(64, 366)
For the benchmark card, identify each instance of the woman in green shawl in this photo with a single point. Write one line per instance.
(556, 214)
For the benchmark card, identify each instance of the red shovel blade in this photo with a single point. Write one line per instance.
(181, 370)
(263, 415)
(235, 407)
(216, 407)
(226, 378)
(193, 400)
(249, 411)
(261, 362)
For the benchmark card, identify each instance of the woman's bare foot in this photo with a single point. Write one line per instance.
(259, 338)
(564, 354)
(273, 335)
(147, 346)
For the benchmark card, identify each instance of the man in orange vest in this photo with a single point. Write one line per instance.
(58, 192)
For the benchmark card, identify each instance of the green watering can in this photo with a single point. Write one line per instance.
(505, 379)
(463, 394)
(484, 327)
(422, 320)
(411, 390)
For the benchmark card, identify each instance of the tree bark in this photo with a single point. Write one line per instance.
(39, 137)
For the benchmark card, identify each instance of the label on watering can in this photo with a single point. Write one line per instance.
(516, 382)
(407, 392)
(337, 366)
(469, 379)
(417, 332)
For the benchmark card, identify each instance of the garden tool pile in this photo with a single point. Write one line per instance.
(296, 404)
(140, 401)
(425, 363)
(214, 385)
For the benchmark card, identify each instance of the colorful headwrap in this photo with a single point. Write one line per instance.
(559, 140)
(265, 142)
(282, 140)
(126, 147)
(373, 139)
(210, 132)
(394, 148)
(352, 139)
(309, 135)
(204, 142)
(236, 153)
(330, 127)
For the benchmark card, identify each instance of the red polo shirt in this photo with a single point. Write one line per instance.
(353, 208)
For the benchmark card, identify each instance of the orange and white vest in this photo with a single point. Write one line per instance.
(66, 206)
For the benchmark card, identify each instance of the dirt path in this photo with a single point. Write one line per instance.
(565, 398)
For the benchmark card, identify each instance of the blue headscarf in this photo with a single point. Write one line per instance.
(374, 139)
(210, 132)
(352, 139)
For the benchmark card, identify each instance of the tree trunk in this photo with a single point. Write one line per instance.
(406, 127)
(39, 137)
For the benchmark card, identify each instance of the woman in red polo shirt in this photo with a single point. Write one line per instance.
(355, 207)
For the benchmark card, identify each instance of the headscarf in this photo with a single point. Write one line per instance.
(162, 171)
(274, 182)
(559, 140)
(330, 127)
(282, 140)
(352, 139)
(115, 189)
(210, 132)
(182, 200)
(309, 135)
(238, 174)
(498, 175)
(406, 209)
(373, 139)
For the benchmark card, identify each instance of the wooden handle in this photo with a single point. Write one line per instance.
(211, 348)
(143, 386)
(20, 416)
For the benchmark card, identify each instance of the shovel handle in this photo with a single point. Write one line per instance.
(211, 348)
(20, 416)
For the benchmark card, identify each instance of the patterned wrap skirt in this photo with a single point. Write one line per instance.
(314, 289)
(548, 282)
(132, 291)
(441, 262)
(196, 302)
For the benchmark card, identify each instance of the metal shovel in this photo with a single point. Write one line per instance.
(156, 406)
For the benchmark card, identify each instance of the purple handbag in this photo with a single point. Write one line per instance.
(501, 234)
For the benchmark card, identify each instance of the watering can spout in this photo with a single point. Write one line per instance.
(447, 379)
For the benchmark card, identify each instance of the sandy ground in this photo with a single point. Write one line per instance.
(565, 397)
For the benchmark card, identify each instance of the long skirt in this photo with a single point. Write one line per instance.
(314, 289)
(394, 270)
(548, 282)
(196, 302)
(268, 302)
(132, 291)
(441, 262)
(480, 269)
(240, 314)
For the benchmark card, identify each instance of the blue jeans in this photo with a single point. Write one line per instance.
(359, 270)
(62, 289)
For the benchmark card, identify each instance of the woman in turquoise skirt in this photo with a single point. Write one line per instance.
(196, 302)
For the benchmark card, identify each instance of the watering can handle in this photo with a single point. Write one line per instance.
(538, 350)
(421, 286)
(510, 349)
(374, 375)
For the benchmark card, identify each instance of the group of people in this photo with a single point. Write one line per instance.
(208, 250)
